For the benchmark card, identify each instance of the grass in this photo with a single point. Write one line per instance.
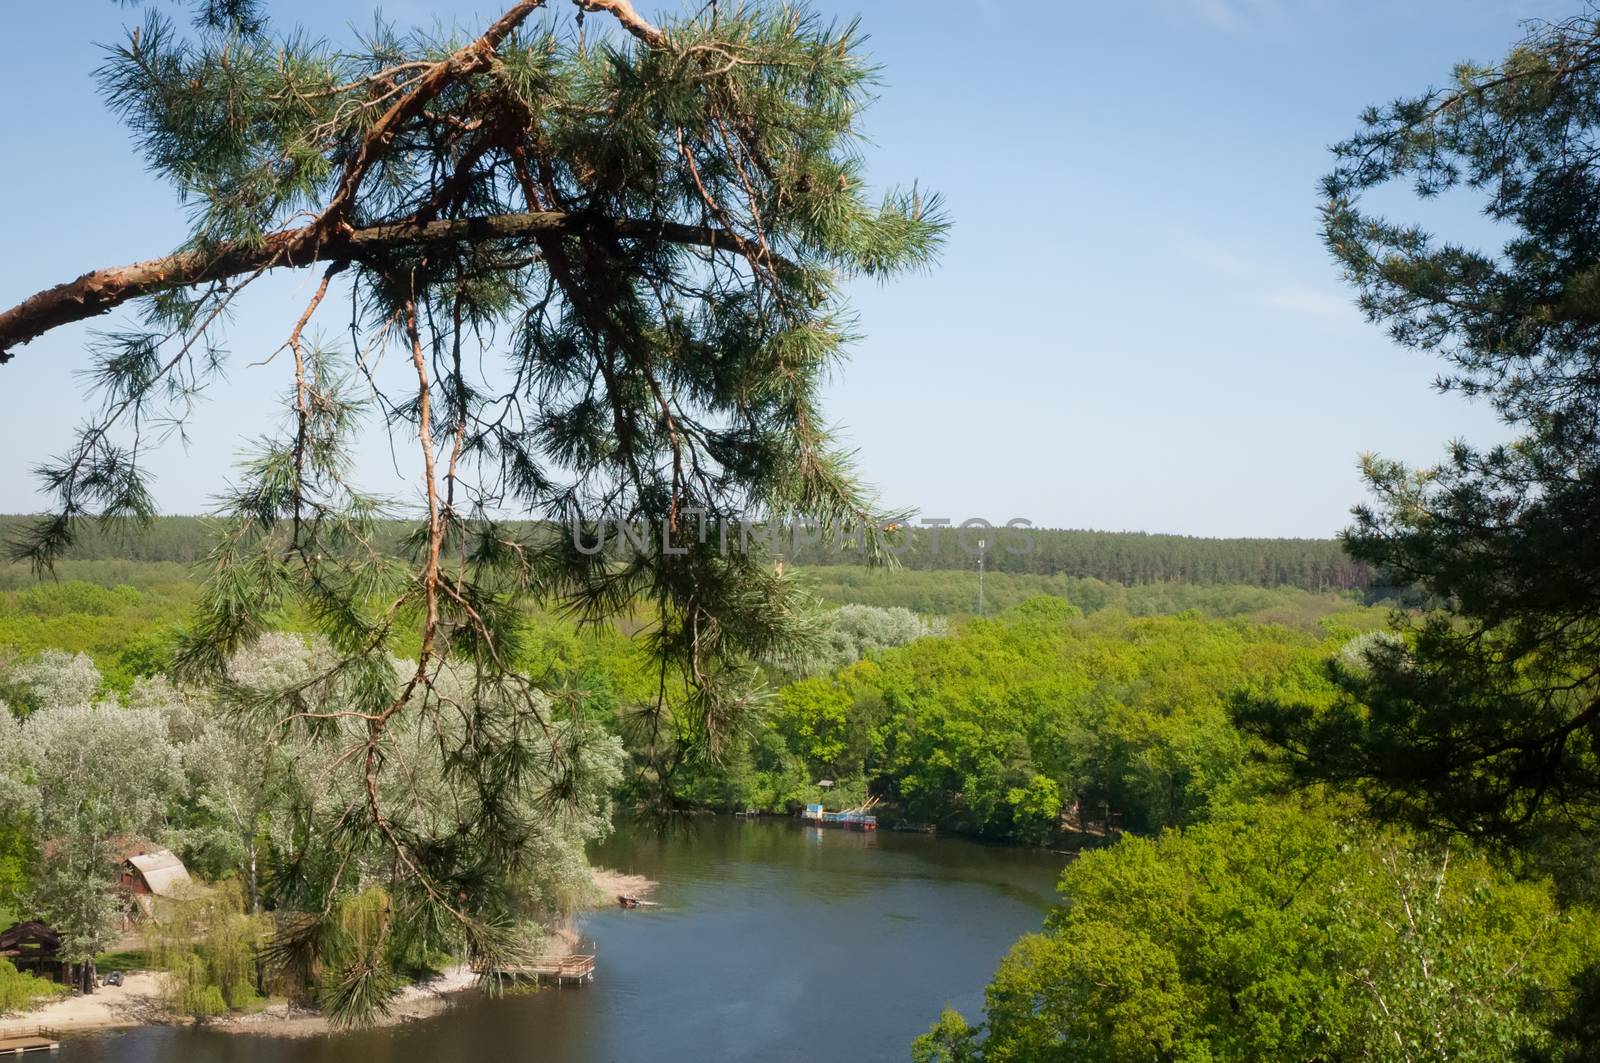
(124, 961)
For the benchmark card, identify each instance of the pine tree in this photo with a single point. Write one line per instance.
(1484, 718)
(611, 255)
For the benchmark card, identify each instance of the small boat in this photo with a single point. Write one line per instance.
(625, 901)
(855, 819)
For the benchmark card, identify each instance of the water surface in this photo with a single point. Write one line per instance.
(772, 941)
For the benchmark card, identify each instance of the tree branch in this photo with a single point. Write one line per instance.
(103, 290)
(625, 14)
(475, 57)
(328, 238)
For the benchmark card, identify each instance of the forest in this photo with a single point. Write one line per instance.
(1051, 722)
(1317, 800)
(1123, 558)
(1112, 722)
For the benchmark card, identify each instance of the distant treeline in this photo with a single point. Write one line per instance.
(1123, 558)
(951, 592)
(1127, 558)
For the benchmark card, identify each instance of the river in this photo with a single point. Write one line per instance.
(772, 941)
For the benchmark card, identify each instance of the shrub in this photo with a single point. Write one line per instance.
(19, 991)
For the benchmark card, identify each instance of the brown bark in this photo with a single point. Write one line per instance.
(103, 290)
(624, 13)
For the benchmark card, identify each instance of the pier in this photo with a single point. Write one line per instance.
(19, 1039)
(568, 970)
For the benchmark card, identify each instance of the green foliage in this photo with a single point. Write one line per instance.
(19, 991)
(951, 1039)
(19, 851)
(1120, 559)
(812, 716)
(853, 632)
(209, 948)
(1280, 931)
(1103, 563)
(237, 798)
(955, 593)
(85, 776)
(1003, 726)
(356, 947)
(650, 348)
(1036, 809)
(124, 960)
(825, 727)
(122, 614)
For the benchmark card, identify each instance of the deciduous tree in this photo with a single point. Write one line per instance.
(88, 776)
(1280, 931)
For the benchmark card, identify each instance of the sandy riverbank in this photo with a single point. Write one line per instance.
(137, 1002)
(415, 1002)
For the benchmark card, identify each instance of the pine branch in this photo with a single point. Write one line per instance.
(475, 57)
(624, 13)
(102, 290)
(328, 237)
(471, 59)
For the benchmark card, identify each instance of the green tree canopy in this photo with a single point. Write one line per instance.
(1281, 932)
(85, 777)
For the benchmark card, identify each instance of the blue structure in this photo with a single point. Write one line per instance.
(848, 820)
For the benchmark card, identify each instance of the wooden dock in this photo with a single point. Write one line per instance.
(19, 1039)
(574, 970)
(569, 970)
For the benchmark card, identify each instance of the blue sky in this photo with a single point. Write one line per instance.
(1134, 325)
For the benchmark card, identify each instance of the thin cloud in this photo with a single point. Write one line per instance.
(1308, 301)
(1216, 258)
(1259, 283)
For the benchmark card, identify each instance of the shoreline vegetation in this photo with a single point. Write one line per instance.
(1060, 720)
(141, 999)
(1065, 721)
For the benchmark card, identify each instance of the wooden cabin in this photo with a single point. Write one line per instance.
(34, 948)
(157, 873)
